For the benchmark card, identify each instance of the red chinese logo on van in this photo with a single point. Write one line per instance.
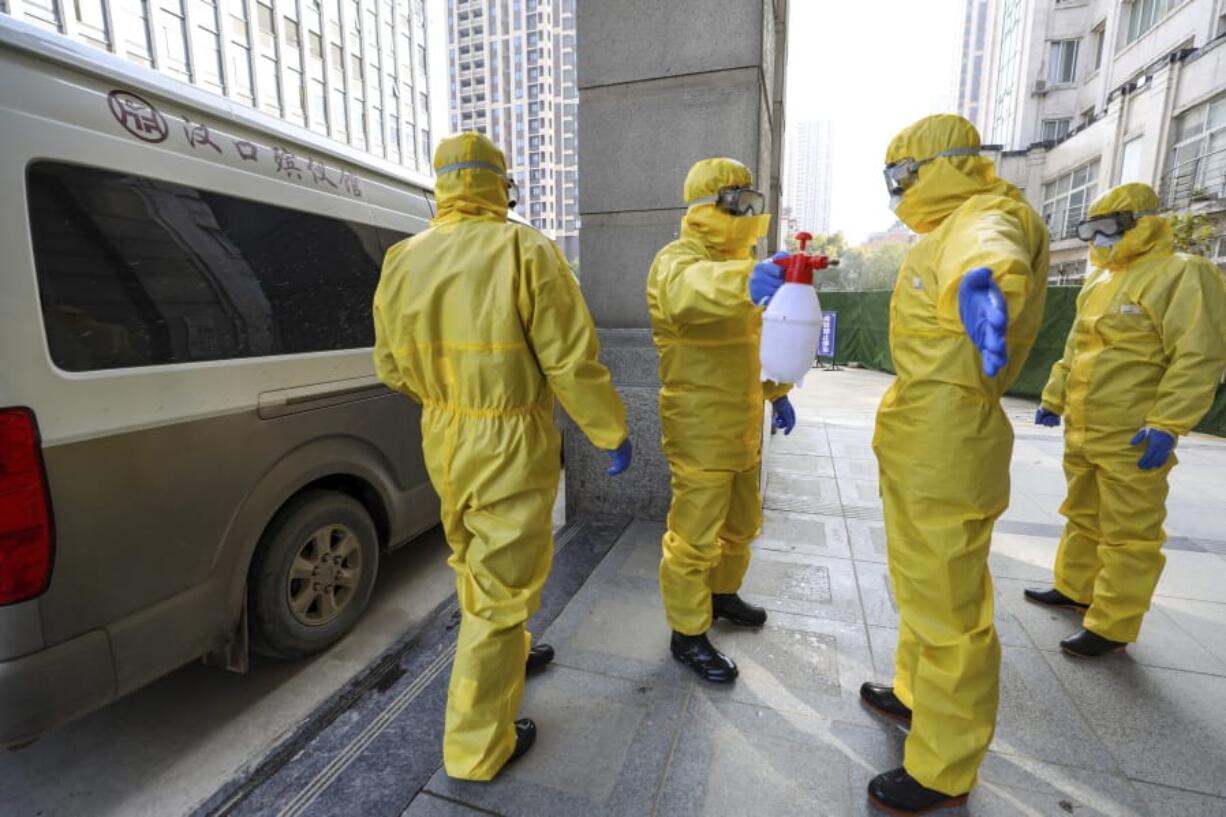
(138, 116)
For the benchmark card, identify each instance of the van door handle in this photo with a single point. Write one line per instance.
(280, 402)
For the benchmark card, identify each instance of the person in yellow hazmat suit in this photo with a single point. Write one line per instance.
(481, 321)
(704, 292)
(965, 311)
(1140, 369)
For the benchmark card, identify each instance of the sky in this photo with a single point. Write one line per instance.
(871, 66)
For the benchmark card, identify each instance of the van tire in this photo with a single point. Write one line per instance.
(293, 616)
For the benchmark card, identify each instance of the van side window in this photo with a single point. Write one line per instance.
(135, 271)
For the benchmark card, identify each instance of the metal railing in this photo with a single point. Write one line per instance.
(1196, 181)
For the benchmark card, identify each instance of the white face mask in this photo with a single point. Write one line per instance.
(1106, 241)
(895, 201)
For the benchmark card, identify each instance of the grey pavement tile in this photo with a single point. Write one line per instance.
(1163, 643)
(846, 449)
(602, 748)
(859, 491)
(867, 540)
(1022, 556)
(803, 584)
(616, 625)
(803, 493)
(797, 664)
(809, 439)
(1204, 621)
(1011, 785)
(1195, 520)
(804, 533)
(856, 469)
(733, 759)
(1168, 802)
(788, 464)
(1198, 576)
(1036, 718)
(427, 805)
(1163, 726)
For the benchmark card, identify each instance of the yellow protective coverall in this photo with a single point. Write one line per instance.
(483, 323)
(1148, 349)
(943, 443)
(706, 331)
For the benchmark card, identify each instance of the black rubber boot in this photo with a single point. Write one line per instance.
(1085, 644)
(525, 736)
(538, 657)
(735, 609)
(882, 700)
(896, 792)
(696, 652)
(1054, 598)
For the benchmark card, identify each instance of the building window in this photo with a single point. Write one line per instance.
(1066, 199)
(1198, 163)
(1062, 65)
(1055, 129)
(1130, 160)
(1219, 252)
(1139, 16)
(1007, 70)
(1098, 37)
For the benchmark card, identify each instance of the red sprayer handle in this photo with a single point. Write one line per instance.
(801, 265)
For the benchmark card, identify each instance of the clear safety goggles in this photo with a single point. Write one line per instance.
(511, 184)
(900, 176)
(738, 201)
(1110, 225)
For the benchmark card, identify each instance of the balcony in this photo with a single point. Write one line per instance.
(1198, 183)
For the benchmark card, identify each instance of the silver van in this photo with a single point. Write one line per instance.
(195, 455)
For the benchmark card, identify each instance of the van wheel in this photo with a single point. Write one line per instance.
(312, 576)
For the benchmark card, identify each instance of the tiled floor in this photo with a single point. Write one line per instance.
(626, 730)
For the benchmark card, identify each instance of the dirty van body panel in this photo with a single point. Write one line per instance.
(160, 513)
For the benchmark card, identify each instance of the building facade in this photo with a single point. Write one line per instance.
(1089, 94)
(353, 70)
(974, 59)
(512, 77)
(808, 178)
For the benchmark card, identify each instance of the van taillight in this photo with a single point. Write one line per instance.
(26, 535)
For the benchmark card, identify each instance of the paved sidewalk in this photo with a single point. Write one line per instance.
(626, 730)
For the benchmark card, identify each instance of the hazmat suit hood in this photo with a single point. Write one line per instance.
(471, 192)
(1151, 236)
(729, 236)
(946, 182)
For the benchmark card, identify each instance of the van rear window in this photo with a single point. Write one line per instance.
(135, 271)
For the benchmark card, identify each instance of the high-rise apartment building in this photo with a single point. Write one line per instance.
(973, 60)
(512, 77)
(354, 70)
(808, 177)
(1091, 94)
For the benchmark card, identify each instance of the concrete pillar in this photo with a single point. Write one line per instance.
(661, 85)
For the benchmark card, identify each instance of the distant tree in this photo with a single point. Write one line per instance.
(871, 268)
(831, 244)
(1193, 232)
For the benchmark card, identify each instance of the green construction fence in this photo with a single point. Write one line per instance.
(863, 338)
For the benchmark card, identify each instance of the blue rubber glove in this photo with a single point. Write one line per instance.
(766, 279)
(1046, 417)
(1158, 448)
(620, 458)
(981, 306)
(785, 415)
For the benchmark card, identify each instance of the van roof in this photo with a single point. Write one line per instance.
(102, 64)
